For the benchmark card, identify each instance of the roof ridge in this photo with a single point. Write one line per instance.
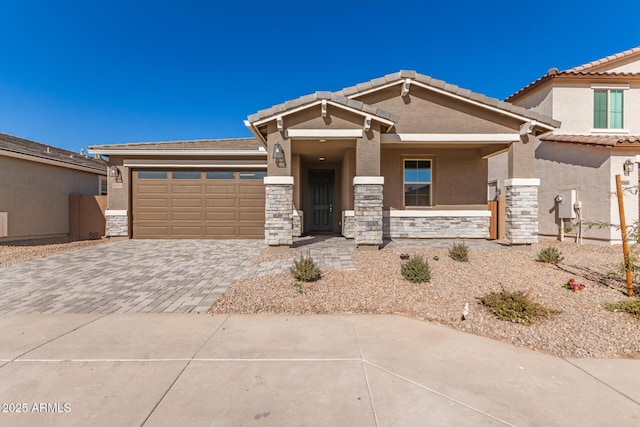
(607, 59)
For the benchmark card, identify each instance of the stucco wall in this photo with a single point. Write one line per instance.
(459, 176)
(573, 106)
(424, 111)
(540, 100)
(36, 196)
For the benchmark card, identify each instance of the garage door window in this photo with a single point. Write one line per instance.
(187, 175)
(220, 175)
(152, 174)
(253, 175)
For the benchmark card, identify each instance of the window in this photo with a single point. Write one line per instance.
(102, 185)
(253, 174)
(152, 174)
(608, 108)
(187, 174)
(417, 183)
(220, 175)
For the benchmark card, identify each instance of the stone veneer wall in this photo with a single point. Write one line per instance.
(521, 212)
(439, 227)
(348, 226)
(278, 225)
(298, 220)
(117, 226)
(368, 214)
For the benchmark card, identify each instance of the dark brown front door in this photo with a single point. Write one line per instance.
(321, 182)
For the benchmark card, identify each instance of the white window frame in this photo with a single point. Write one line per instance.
(413, 159)
(609, 88)
(102, 179)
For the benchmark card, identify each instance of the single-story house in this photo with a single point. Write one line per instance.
(598, 105)
(401, 156)
(36, 181)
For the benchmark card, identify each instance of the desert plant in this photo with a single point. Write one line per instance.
(515, 306)
(573, 286)
(459, 252)
(298, 287)
(550, 255)
(631, 306)
(305, 269)
(416, 270)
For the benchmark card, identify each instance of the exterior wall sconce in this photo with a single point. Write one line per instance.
(115, 173)
(628, 167)
(277, 152)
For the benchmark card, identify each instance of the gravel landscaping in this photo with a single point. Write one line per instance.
(583, 328)
(16, 252)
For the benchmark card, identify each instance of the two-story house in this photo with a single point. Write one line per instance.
(598, 105)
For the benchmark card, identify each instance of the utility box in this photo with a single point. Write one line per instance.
(565, 206)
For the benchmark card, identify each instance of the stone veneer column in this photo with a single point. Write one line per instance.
(117, 224)
(367, 206)
(522, 210)
(278, 210)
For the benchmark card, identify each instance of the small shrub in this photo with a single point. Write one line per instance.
(515, 306)
(627, 306)
(459, 252)
(573, 286)
(620, 273)
(305, 269)
(416, 270)
(550, 255)
(298, 287)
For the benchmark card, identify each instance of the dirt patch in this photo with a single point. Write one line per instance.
(16, 252)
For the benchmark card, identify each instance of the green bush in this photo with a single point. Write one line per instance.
(459, 252)
(627, 306)
(305, 269)
(416, 270)
(515, 306)
(550, 255)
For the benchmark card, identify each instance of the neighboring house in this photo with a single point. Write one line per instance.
(598, 105)
(36, 181)
(402, 156)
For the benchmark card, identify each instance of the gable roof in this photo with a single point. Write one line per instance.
(583, 71)
(235, 146)
(14, 146)
(596, 140)
(345, 97)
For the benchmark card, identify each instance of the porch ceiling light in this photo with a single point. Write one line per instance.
(628, 167)
(277, 151)
(321, 159)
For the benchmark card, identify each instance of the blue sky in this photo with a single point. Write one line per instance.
(81, 73)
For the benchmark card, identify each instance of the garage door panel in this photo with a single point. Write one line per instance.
(152, 215)
(153, 203)
(187, 216)
(189, 189)
(185, 202)
(204, 208)
(222, 202)
(213, 216)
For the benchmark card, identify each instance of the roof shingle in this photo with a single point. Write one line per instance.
(202, 144)
(597, 140)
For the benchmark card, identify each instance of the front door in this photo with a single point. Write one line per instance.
(321, 199)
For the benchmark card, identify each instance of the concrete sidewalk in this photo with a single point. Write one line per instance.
(356, 370)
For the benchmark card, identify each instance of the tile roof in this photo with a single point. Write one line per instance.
(611, 58)
(203, 144)
(34, 149)
(599, 140)
(329, 96)
(582, 71)
(346, 95)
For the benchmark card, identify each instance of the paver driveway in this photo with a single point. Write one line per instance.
(128, 276)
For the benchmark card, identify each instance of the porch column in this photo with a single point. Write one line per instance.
(117, 223)
(278, 210)
(522, 210)
(367, 206)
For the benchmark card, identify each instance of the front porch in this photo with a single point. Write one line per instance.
(338, 164)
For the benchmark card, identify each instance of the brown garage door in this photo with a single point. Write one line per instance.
(190, 204)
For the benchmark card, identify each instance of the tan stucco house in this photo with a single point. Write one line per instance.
(404, 155)
(36, 181)
(598, 105)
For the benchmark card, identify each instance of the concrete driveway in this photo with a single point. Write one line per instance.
(266, 370)
(181, 276)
